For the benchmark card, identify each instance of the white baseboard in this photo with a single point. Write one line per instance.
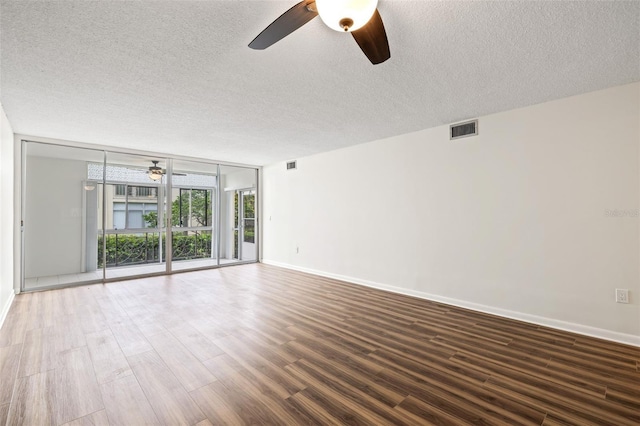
(600, 333)
(6, 307)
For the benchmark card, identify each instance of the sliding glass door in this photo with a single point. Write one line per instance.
(193, 206)
(245, 225)
(92, 215)
(132, 201)
(238, 230)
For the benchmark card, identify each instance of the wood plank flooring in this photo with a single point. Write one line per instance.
(256, 344)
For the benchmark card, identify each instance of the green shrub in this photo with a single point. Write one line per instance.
(137, 249)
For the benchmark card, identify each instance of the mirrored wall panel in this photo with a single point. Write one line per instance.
(93, 215)
(60, 216)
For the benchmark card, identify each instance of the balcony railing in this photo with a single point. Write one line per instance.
(191, 245)
(124, 249)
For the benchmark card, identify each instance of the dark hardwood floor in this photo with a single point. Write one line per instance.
(256, 344)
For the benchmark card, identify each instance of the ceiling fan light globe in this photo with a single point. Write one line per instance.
(333, 12)
(155, 175)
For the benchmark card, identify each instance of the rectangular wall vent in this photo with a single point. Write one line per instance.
(463, 130)
(291, 165)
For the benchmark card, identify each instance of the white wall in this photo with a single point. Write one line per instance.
(6, 214)
(53, 216)
(512, 221)
(236, 178)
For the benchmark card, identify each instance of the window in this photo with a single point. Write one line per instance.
(138, 210)
(249, 217)
(135, 191)
(119, 215)
(142, 191)
(192, 207)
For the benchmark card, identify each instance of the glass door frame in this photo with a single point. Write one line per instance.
(211, 227)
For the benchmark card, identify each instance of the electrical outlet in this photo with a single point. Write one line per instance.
(622, 295)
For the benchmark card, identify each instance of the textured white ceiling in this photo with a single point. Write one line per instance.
(178, 77)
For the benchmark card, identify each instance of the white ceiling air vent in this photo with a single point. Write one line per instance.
(291, 165)
(463, 130)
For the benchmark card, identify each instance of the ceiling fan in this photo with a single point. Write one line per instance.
(156, 172)
(359, 17)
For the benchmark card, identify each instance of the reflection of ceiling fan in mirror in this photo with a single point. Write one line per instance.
(156, 172)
